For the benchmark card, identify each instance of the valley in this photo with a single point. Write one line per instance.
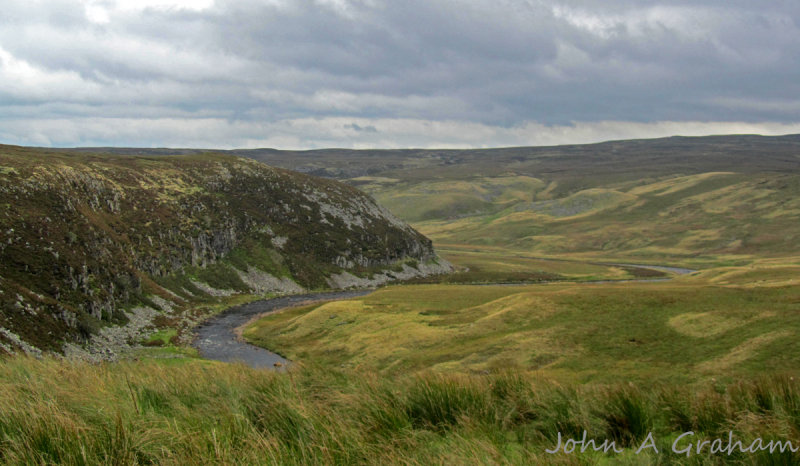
(549, 322)
(725, 206)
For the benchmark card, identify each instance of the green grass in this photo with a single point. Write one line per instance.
(161, 337)
(690, 216)
(169, 355)
(449, 199)
(702, 220)
(195, 412)
(684, 331)
(704, 201)
(493, 265)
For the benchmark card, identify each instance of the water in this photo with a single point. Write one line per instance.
(217, 339)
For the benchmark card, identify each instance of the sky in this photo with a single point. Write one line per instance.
(304, 74)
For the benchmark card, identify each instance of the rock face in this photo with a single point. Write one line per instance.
(85, 239)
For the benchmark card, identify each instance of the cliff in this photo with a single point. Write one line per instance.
(92, 241)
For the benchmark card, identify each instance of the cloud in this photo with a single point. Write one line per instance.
(417, 72)
(346, 132)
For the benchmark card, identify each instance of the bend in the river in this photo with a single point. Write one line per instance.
(217, 339)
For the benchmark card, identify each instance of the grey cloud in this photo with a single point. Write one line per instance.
(504, 64)
(359, 128)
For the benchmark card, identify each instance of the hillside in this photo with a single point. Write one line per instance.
(696, 201)
(713, 218)
(720, 200)
(89, 240)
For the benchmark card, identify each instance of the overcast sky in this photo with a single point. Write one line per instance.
(300, 74)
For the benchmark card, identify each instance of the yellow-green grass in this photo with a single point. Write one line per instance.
(484, 265)
(671, 185)
(444, 199)
(684, 331)
(783, 273)
(495, 264)
(701, 220)
(170, 354)
(57, 412)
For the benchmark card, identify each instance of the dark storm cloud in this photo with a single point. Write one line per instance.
(372, 73)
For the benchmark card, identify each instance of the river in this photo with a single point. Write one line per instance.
(217, 338)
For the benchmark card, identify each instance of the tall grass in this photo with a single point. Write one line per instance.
(146, 413)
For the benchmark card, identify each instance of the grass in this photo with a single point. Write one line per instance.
(699, 202)
(701, 220)
(498, 265)
(161, 337)
(449, 373)
(167, 355)
(447, 199)
(683, 331)
(195, 412)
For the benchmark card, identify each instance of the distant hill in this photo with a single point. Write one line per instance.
(615, 160)
(88, 240)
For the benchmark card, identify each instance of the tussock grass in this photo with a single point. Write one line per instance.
(146, 413)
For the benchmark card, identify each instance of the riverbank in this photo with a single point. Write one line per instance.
(217, 337)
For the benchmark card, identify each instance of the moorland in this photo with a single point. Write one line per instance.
(545, 327)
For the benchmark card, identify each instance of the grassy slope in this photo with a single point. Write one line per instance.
(485, 265)
(719, 200)
(702, 201)
(683, 331)
(705, 219)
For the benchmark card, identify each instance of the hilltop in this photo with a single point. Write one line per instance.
(612, 160)
(89, 242)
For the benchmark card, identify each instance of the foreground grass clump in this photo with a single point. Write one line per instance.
(145, 413)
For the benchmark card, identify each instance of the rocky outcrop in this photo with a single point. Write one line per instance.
(345, 280)
(261, 282)
(111, 341)
(86, 239)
